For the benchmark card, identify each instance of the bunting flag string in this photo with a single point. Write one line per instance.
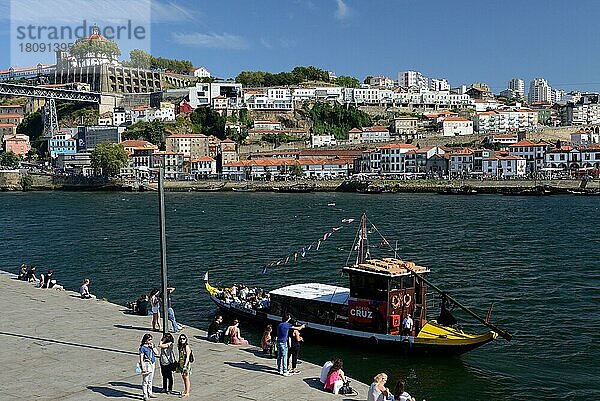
(305, 250)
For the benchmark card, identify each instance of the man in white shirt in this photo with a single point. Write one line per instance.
(407, 325)
(325, 369)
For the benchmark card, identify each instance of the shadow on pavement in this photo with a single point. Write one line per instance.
(50, 340)
(113, 392)
(129, 327)
(313, 382)
(252, 366)
(258, 353)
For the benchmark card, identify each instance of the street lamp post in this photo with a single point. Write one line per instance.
(163, 243)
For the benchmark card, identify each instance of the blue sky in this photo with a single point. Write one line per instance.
(462, 40)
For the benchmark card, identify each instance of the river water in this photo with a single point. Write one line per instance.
(535, 258)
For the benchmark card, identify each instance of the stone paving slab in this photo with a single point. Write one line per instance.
(56, 346)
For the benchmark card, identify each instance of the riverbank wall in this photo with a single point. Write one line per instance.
(13, 181)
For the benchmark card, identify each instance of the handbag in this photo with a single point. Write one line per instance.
(346, 389)
(191, 356)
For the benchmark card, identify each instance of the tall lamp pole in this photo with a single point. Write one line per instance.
(163, 243)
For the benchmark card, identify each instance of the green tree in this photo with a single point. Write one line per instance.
(103, 48)
(208, 122)
(26, 182)
(296, 171)
(347, 82)
(367, 79)
(153, 132)
(251, 78)
(140, 59)
(109, 158)
(337, 120)
(10, 160)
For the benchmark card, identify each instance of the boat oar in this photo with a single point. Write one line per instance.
(502, 333)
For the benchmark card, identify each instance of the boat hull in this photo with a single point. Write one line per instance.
(434, 339)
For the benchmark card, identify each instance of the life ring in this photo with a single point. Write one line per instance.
(395, 301)
(407, 300)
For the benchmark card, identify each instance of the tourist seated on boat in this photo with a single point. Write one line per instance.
(215, 330)
(325, 369)
(400, 394)
(235, 335)
(22, 272)
(378, 391)
(335, 377)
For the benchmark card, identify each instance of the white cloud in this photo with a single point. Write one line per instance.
(215, 40)
(171, 12)
(266, 43)
(342, 10)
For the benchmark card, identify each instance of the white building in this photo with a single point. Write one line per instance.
(461, 163)
(532, 152)
(391, 158)
(166, 112)
(558, 95)
(320, 140)
(437, 85)
(193, 146)
(585, 137)
(456, 126)
(368, 135)
(539, 91)
(503, 165)
(382, 82)
(203, 167)
(201, 72)
(266, 125)
(517, 86)
(273, 167)
(409, 79)
(482, 105)
(503, 139)
(505, 119)
(269, 99)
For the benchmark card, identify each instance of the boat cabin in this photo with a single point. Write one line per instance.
(383, 292)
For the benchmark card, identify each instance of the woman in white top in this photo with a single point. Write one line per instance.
(155, 303)
(378, 391)
(400, 394)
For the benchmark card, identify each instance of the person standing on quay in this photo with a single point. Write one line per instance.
(167, 362)
(171, 312)
(283, 329)
(146, 359)
(155, 303)
(296, 339)
(184, 363)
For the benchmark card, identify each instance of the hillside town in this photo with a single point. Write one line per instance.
(405, 127)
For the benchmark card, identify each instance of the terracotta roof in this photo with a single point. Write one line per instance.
(527, 142)
(455, 119)
(186, 136)
(355, 130)
(487, 113)
(7, 125)
(375, 128)
(11, 116)
(280, 161)
(138, 143)
(227, 141)
(398, 146)
(204, 159)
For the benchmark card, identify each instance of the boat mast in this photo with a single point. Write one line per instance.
(363, 237)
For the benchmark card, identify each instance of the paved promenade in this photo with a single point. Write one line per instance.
(56, 346)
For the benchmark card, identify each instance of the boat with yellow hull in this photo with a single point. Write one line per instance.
(386, 305)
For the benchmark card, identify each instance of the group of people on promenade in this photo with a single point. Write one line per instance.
(231, 335)
(47, 280)
(169, 362)
(151, 305)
